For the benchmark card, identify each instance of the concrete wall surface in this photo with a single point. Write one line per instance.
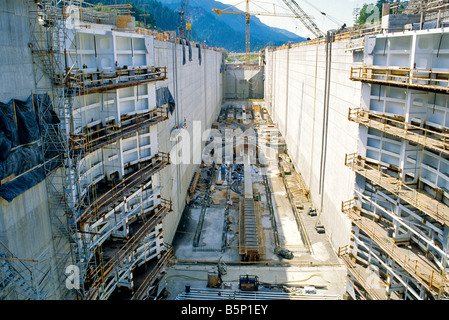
(25, 227)
(243, 82)
(16, 63)
(197, 90)
(295, 82)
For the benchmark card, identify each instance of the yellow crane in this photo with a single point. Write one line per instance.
(301, 15)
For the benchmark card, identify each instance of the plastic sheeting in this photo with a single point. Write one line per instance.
(163, 96)
(183, 51)
(190, 50)
(199, 52)
(21, 155)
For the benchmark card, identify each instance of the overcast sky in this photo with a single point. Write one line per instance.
(339, 11)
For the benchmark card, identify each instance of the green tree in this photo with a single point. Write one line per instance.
(142, 15)
(370, 13)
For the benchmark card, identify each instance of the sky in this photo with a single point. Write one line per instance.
(338, 11)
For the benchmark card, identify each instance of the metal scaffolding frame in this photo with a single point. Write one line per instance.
(49, 40)
(438, 141)
(427, 80)
(123, 260)
(30, 279)
(375, 173)
(358, 272)
(419, 268)
(70, 195)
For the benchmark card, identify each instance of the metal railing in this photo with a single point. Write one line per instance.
(429, 138)
(104, 271)
(100, 81)
(93, 140)
(427, 80)
(356, 271)
(144, 289)
(432, 207)
(429, 277)
(126, 186)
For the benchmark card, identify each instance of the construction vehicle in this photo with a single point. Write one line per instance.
(249, 283)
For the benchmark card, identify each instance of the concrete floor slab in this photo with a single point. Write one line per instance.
(315, 266)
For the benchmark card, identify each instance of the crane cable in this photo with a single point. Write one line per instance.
(331, 18)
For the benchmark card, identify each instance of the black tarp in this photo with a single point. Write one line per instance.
(8, 123)
(183, 51)
(27, 121)
(190, 50)
(21, 155)
(163, 96)
(199, 52)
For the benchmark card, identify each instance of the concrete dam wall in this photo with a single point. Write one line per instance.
(308, 93)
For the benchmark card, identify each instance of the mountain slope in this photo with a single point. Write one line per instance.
(261, 34)
(226, 31)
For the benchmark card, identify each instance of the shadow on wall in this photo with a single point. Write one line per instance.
(244, 82)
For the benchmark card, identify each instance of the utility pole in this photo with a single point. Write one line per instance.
(144, 14)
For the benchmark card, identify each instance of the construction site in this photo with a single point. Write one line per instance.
(136, 164)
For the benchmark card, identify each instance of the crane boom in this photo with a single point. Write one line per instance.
(183, 12)
(306, 21)
(253, 13)
(248, 14)
(297, 11)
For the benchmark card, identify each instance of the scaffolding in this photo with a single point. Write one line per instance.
(420, 268)
(358, 272)
(420, 200)
(95, 139)
(49, 40)
(149, 284)
(101, 81)
(123, 261)
(427, 80)
(438, 141)
(30, 279)
(77, 208)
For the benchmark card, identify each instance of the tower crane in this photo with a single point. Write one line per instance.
(184, 26)
(300, 15)
(306, 21)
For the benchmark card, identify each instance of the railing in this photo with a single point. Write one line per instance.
(347, 34)
(356, 271)
(251, 240)
(428, 138)
(93, 82)
(429, 277)
(142, 292)
(88, 142)
(343, 251)
(30, 279)
(428, 80)
(105, 270)
(117, 193)
(432, 207)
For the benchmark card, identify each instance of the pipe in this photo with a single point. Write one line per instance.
(329, 40)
